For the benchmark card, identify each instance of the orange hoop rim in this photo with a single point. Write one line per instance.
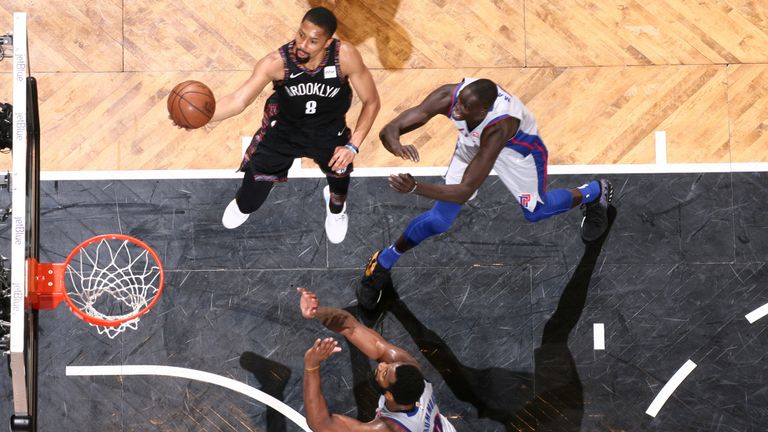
(116, 322)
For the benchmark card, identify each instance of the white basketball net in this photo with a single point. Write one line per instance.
(113, 279)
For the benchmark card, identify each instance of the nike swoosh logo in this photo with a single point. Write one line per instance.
(339, 134)
(295, 75)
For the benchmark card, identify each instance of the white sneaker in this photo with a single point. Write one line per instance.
(233, 217)
(335, 223)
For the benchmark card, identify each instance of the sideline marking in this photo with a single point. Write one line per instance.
(661, 147)
(298, 172)
(669, 388)
(196, 375)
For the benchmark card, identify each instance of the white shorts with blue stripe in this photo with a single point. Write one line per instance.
(518, 173)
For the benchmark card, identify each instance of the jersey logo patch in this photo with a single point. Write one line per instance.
(296, 74)
(525, 199)
(329, 72)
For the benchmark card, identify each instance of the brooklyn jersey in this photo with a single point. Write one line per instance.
(425, 416)
(313, 103)
(521, 164)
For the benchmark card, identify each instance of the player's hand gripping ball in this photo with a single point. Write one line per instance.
(191, 104)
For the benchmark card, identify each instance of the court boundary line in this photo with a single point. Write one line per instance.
(196, 375)
(298, 172)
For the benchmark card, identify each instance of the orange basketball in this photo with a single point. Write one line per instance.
(191, 104)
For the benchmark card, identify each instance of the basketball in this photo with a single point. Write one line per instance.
(191, 104)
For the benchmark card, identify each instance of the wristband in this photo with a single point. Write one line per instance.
(415, 183)
(311, 369)
(352, 147)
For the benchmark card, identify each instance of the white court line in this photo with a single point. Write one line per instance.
(757, 314)
(661, 147)
(669, 388)
(196, 375)
(245, 142)
(415, 170)
(598, 331)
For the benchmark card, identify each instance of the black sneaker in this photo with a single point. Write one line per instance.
(595, 220)
(372, 285)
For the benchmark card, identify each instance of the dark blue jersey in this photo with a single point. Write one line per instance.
(312, 103)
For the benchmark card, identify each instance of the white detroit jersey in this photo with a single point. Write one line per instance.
(521, 165)
(425, 417)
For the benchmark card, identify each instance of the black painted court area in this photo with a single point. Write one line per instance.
(499, 311)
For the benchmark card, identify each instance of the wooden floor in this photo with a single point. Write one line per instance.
(601, 77)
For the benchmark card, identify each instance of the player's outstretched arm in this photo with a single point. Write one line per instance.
(438, 102)
(267, 69)
(360, 77)
(342, 322)
(491, 143)
(362, 81)
(318, 417)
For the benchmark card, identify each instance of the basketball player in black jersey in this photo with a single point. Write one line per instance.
(313, 77)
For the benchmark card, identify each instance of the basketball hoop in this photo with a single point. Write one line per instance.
(111, 281)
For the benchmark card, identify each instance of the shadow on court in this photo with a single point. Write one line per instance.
(273, 377)
(358, 23)
(550, 399)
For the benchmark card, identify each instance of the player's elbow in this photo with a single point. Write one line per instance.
(374, 103)
(324, 424)
(389, 130)
(464, 198)
(464, 193)
(237, 106)
(228, 107)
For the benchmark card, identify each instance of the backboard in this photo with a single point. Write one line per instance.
(25, 198)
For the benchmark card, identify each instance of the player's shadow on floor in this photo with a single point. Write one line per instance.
(503, 395)
(273, 377)
(358, 22)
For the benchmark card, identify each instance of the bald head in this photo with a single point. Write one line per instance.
(485, 91)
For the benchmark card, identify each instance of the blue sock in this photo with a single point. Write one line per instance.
(556, 201)
(389, 256)
(590, 191)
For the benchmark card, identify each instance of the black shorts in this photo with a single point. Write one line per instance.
(272, 152)
(273, 155)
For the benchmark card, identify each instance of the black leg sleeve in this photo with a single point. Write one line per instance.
(252, 193)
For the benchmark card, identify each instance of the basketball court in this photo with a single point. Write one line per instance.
(519, 326)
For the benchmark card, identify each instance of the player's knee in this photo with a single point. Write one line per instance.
(439, 224)
(534, 216)
(442, 215)
(427, 225)
(432, 224)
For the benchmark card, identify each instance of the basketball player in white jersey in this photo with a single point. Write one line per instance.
(406, 403)
(496, 131)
